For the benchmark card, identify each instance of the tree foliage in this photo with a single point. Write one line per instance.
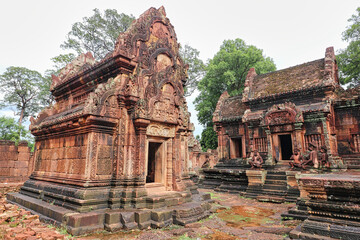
(11, 130)
(196, 69)
(349, 58)
(227, 72)
(98, 33)
(209, 138)
(22, 89)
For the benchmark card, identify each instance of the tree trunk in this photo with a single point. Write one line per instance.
(21, 116)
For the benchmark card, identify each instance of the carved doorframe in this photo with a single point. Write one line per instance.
(164, 134)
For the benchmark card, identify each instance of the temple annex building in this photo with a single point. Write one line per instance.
(287, 109)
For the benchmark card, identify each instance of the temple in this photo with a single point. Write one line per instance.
(287, 109)
(117, 138)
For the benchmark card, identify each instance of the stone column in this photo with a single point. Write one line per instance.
(333, 158)
(140, 127)
(270, 159)
(298, 142)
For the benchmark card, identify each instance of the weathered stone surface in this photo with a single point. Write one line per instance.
(333, 205)
(15, 162)
(117, 126)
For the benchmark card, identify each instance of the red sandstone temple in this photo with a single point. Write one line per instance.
(287, 109)
(117, 137)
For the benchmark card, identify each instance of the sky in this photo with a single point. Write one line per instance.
(290, 32)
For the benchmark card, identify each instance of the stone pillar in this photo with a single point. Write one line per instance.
(270, 159)
(335, 161)
(293, 191)
(256, 180)
(256, 177)
(170, 178)
(298, 140)
(140, 127)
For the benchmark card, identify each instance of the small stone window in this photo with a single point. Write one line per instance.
(261, 144)
(315, 139)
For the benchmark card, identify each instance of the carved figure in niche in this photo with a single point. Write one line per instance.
(312, 159)
(297, 160)
(324, 158)
(256, 160)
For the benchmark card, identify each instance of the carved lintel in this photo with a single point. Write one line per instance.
(160, 130)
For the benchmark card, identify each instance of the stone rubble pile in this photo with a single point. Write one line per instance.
(19, 224)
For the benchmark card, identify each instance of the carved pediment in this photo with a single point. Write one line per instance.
(281, 114)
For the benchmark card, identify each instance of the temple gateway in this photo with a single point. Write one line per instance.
(287, 109)
(117, 138)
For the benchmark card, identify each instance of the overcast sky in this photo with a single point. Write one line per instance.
(290, 32)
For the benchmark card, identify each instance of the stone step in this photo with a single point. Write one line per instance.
(275, 187)
(272, 172)
(276, 182)
(275, 192)
(268, 198)
(276, 177)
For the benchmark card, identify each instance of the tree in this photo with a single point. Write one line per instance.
(196, 69)
(23, 90)
(227, 72)
(349, 58)
(97, 34)
(208, 138)
(10, 130)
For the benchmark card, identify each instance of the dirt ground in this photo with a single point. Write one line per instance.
(234, 217)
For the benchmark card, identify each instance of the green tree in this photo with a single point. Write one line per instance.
(98, 33)
(22, 89)
(227, 72)
(208, 138)
(349, 58)
(196, 69)
(10, 130)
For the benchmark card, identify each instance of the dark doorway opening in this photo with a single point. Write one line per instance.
(286, 146)
(154, 160)
(236, 148)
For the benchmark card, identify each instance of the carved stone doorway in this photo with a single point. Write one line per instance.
(236, 148)
(155, 162)
(286, 149)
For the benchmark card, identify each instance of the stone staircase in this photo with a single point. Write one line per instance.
(352, 161)
(275, 187)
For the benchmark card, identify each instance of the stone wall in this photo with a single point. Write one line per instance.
(15, 162)
(198, 158)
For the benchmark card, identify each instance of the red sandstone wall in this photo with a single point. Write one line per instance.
(198, 158)
(348, 128)
(15, 162)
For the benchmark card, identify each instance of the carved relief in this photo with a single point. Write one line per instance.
(162, 62)
(160, 130)
(164, 109)
(281, 114)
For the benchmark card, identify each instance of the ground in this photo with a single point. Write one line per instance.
(234, 217)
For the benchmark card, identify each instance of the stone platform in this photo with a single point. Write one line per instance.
(333, 202)
(275, 185)
(161, 210)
